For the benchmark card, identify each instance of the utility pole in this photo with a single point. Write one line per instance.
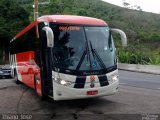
(35, 6)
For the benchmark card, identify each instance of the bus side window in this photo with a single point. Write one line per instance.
(27, 42)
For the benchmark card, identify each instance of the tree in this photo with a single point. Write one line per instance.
(125, 4)
(13, 18)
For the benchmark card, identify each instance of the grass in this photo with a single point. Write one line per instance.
(138, 57)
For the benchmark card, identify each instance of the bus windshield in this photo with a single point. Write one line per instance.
(83, 48)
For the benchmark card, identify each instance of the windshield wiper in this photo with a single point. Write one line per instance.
(95, 55)
(81, 60)
(86, 51)
(110, 41)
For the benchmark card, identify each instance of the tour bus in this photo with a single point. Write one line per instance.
(66, 57)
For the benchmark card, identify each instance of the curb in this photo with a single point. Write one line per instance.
(152, 69)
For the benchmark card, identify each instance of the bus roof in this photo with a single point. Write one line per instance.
(64, 19)
(71, 19)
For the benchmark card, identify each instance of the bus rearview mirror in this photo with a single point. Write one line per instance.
(49, 35)
(122, 34)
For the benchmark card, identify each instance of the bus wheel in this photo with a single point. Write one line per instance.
(43, 97)
(35, 86)
(16, 78)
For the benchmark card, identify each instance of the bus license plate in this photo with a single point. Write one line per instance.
(93, 92)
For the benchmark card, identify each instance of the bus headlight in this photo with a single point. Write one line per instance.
(113, 78)
(62, 82)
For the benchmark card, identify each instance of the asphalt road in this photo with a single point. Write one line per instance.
(140, 80)
(138, 98)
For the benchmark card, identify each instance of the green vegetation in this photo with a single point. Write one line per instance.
(13, 18)
(138, 57)
(142, 28)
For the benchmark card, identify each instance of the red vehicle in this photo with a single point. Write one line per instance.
(66, 57)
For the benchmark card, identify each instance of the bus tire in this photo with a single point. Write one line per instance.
(35, 86)
(43, 97)
(16, 77)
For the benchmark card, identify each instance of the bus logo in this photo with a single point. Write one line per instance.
(92, 78)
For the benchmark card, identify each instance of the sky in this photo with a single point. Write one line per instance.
(146, 5)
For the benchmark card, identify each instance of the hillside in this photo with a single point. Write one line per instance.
(142, 28)
(136, 24)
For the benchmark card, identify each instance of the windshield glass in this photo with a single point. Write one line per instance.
(102, 45)
(82, 48)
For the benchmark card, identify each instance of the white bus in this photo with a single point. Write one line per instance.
(67, 57)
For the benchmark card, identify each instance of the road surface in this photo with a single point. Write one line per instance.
(140, 80)
(138, 98)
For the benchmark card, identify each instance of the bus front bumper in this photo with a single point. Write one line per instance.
(66, 93)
